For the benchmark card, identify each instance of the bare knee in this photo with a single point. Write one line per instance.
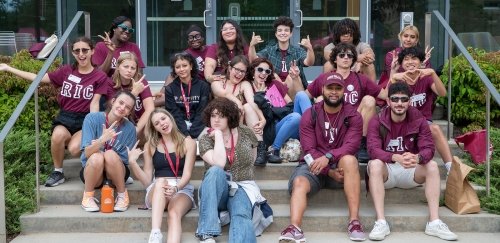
(348, 163)
(376, 167)
(60, 135)
(301, 185)
(368, 102)
(95, 161)
(432, 168)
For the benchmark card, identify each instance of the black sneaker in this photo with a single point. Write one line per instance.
(273, 156)
(261, 159)
(362, 154)
(55, 178)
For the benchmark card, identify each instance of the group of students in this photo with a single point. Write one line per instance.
(242, 106)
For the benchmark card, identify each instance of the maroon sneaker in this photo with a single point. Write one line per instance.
(355, 231)
(292, 234)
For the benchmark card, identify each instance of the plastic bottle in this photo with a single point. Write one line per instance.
(107, 198)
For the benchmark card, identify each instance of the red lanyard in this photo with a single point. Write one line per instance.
(109, 144)
(230, 156)
(184, 99)
(167, 157)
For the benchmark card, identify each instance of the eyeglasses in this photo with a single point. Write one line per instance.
(239, 70)
(81, 50)
(194, 37)
(343, 55)
(396, 99)
(262, 70)
(228, 29)
(125, 28)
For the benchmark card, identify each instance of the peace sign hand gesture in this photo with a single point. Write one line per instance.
(107, 41)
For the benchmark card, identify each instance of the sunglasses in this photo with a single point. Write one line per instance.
(262, 70)
(81, 50)
(239, 70)
(343, 55)
(194, 37)
(396, 99)
(125, 28)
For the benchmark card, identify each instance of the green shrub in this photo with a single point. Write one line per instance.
(19, 146)
(468, 92)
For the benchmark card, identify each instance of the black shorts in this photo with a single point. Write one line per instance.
(82, 177)
(73, 121)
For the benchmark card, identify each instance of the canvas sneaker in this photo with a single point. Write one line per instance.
(440, 230)
(155, 237)
(89, 204)
(292, 234)
(121, 203)
(55, 178)
(129, 180)
(380, 231)
(355, 231)
(210, 239)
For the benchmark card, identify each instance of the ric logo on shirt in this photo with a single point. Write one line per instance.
(77, 91)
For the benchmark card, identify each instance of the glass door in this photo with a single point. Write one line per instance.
(253, 16)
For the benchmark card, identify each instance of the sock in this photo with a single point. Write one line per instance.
(58, 170)
(120, 194)
(88, 194)
(434, 222)
(382, 221)
(448, 166)
(155, 230)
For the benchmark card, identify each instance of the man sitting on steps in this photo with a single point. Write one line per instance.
(401, 147)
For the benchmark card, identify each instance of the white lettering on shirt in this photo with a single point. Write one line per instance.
(283, 67)
(351, 98)
(87, 92)
(418, 100)
(330, 132)
(395, 145)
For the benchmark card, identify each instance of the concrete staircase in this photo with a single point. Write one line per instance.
(61, 218)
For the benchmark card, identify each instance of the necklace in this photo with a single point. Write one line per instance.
(333, 125)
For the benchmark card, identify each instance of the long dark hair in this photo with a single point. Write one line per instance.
(256, 62)
(223, 51)
(184, 56)
(346, 26)
(85, 40)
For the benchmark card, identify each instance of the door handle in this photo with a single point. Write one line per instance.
(301, 15)
(205, 18)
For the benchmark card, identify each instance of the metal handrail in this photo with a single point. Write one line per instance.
(491, 90)
(32, 90)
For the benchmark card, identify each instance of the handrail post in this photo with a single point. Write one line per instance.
(450, 80)
(87, 24)
(3, 229)
(428, 18)
(488, 166)
(37, 152)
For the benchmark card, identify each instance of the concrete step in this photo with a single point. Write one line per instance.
(340, 237)
(275, 191)
(324, 218)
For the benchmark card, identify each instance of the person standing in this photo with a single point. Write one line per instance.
(401, 148)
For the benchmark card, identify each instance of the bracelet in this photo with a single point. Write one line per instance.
(176, 189)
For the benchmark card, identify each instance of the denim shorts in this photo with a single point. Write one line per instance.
(188, 190)
(317, 182)
(73, 121)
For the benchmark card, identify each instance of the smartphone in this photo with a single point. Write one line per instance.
(309, 159)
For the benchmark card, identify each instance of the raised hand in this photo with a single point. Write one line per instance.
(306, 42)
(256, 39)
(107, 41)
(4, 67)
(138, 86)
(428, 52)
(394, 63)
(109, 133)
(294, 71)
(135, 152)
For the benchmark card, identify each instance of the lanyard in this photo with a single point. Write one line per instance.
(109, 144)
(184, 99)
(230, 156)
(167, 157)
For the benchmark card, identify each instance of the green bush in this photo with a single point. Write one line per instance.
(19, 146)
(478, 176)
(468, 92)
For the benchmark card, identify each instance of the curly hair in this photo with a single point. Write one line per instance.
(84, 40)
(283, 20)
(223, 52)
(400, 87)
(343, 47)
(409, 27)
(153, 136)
(117, 21)
(256, 62)
(116, 75)
(411, 51)
(184, 56)
(346, 26)
(225, 108)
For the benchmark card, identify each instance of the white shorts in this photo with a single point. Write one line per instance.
(188, 190)
(400, 177)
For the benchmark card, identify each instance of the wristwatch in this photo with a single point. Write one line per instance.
(329, 156)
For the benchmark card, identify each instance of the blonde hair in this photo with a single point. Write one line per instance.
(409, 27)
(153, 136)
(116, 75)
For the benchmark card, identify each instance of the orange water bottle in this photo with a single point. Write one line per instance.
(107, 198)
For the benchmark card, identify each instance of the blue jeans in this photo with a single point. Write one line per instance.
(301, 102)
(288, 127)
(216, 198)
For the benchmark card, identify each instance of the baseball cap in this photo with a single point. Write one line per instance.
(334, 78)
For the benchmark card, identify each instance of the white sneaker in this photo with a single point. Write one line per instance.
(155, 237)
(440, 230)
(208, 240)
(380, 231)
(129, 181)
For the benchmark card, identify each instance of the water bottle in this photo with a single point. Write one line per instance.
(107, 198)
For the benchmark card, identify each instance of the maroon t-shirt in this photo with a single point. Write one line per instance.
(422, 96)
(139, 106)
(199, 55)
(77, 90)
(353, 92)
(212, 53)
(101, 51)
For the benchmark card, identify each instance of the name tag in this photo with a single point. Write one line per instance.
(74, 78)
(124, 52)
